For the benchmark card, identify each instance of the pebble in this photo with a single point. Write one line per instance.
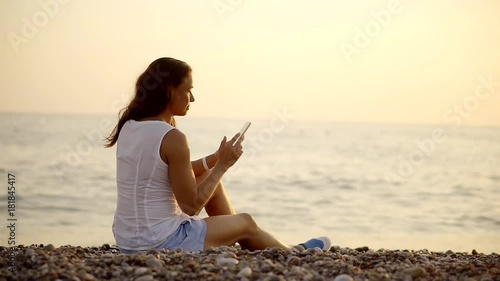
(107, 256)
(145, 278)
(362, 249)
(343, 277)
(486, 278)
(152, 261)
(226, 261)
(43, 266)
(84, 275)
(274, 278)
(140, 271)
(87, 277)
(222, 249)
(414, 272)
(335, 249)
(267, 265)
(293, 260)
(314, 251)
(447, 259)
(228, 255)
(245, 272)
(49, 247)
(191, 264)
(30, 252)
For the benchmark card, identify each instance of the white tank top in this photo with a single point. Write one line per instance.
(146, 210)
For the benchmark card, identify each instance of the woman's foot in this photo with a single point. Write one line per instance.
(323, 243)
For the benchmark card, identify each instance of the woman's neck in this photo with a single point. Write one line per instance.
(165, 117)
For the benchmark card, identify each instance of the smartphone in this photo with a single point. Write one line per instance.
(243, 130)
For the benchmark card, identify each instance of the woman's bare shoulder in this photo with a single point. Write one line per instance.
(174, 143)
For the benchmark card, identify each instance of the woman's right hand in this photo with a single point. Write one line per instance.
(229, 152)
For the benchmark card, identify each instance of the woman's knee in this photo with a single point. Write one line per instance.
(250, 223)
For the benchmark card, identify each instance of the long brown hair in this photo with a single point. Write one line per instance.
(152, 92)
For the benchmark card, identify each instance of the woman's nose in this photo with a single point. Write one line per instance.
(191, 97)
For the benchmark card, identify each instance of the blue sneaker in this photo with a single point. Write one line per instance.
(323, 243)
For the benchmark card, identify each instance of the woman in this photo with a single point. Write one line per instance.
(160, 192)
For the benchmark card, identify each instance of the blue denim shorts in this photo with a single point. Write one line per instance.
(189, 236)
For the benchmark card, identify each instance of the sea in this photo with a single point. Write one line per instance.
(385, 186)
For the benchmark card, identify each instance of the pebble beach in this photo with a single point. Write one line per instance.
(46, 262)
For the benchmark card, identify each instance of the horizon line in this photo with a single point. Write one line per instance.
(494, 126)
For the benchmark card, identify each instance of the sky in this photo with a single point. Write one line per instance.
(425, 62)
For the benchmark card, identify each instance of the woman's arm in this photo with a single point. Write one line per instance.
(190, 197)
(198, 167)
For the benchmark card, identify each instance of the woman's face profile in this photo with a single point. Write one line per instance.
(182, 97)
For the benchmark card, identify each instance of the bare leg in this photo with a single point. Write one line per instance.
(219, 204)
(241, 228)
(262, 240)
(225, 227)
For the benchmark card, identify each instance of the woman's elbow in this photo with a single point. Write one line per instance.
(188, 209)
